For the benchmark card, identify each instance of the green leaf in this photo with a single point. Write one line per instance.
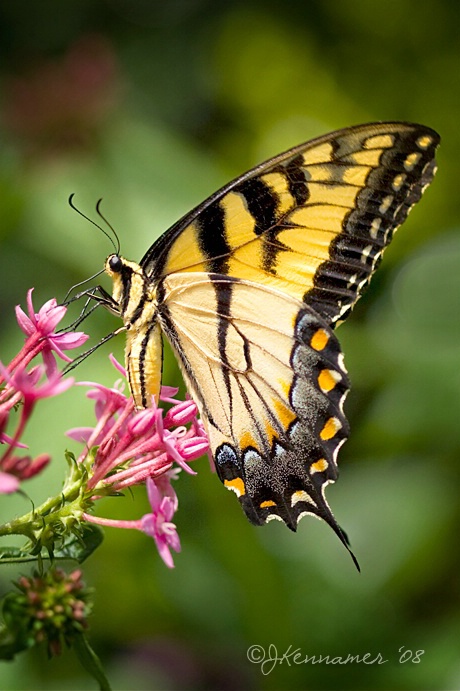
(12, 643)
(81, 547)
(77, 548)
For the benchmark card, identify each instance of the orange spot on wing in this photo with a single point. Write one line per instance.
(300, 494)
(319, 340)
(284, 414)
(327, 380)
(246, 440)
(330, 429)
(319, 466)
(424, 141)
(237, 485)
(267, 504)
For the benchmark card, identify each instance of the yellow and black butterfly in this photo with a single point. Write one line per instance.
(247, 288)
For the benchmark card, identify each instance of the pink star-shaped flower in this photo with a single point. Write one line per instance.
(158, 523)
(41, 326)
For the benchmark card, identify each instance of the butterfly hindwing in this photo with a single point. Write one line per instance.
(268, 376)
(312, 222)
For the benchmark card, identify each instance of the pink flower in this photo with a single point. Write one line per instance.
(45, 321)
(158, 524)
(24, 386)
(40, 329)
(133, 445)
(26, 382)
(130, 447)
(109, 402)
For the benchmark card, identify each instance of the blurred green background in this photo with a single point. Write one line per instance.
(153, 105)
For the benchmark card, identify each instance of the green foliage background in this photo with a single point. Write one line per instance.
(169, 100)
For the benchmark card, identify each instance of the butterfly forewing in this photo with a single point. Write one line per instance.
(312, 222)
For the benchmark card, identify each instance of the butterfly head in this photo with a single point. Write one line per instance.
(130, 285)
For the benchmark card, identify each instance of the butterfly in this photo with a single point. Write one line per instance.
(248, 288)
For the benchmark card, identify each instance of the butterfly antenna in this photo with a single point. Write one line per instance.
(115, 246)
(101, 215)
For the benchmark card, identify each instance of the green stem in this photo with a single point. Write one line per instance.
(48, 526)
(66, 503)
(90, 661)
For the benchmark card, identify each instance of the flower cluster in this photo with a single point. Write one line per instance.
(126, 447)
(132, 447)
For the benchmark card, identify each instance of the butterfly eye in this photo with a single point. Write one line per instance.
(115, 263)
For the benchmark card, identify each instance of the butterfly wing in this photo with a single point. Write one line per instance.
(267, 374)
(312, 222)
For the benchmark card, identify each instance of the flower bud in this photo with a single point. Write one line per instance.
(181, 414)
(193, 447)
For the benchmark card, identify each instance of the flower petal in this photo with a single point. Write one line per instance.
(69, 341)
(117, 365)
(30, 306)
(163, 551)
(153, 494)
(49, 316)
(8, 483)
(81, 434)
(25, 324)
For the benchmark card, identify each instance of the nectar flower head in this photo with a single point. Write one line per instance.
(40, 331)
(133, 444)
(24, 385)
(132, 447)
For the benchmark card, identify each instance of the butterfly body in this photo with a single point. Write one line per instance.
(248, 288)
